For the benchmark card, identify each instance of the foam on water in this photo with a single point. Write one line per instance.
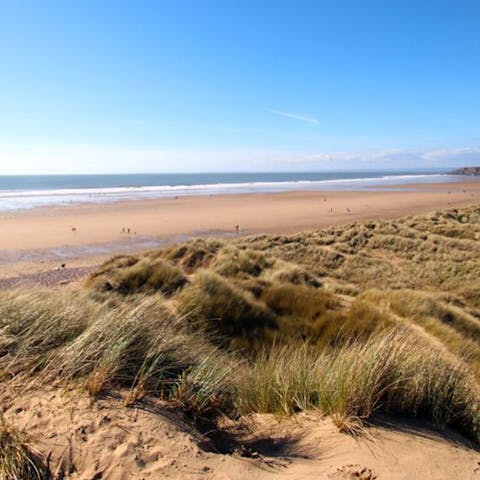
(24, 198)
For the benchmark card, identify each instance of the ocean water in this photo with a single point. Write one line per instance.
(25, 192)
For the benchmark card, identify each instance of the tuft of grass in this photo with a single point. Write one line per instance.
(297, 276)
(18, 459)
(225, 309)
(235, 262)
(455, 327)
(192, 255)
(388, 372)
(139, 346)
(200, 390)
(298, 300)
(316, 315)
(144, 275)
(34, 323)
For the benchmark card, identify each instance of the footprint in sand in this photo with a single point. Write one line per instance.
(353, 472)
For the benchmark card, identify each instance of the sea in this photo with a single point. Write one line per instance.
(18, 192)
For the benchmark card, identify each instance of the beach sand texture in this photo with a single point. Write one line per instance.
(189, 216)
(139, 443)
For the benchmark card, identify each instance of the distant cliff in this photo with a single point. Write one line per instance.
(466, 171)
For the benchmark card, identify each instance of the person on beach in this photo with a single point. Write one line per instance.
(237, 228)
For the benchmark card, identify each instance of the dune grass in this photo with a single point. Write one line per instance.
(455, 327)
(380, 316)
(225, 309)
(129, 275)
(406, 253)
(46, 339)
(389, 372)
(143, 347)
(18, 459)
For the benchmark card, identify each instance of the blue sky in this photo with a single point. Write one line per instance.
(115, 86)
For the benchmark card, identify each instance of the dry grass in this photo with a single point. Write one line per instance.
(297, 276)
(388, 372)
(18, 459)
(441, 316)
(46, 339)
(138, 276)
(414, 252)
(190, 256)
(225, 309)
(235, 262)
(350, 320)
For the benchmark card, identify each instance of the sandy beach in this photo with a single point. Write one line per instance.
(40, 239)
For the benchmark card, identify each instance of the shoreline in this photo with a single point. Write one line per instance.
(41, 238)
(101, 188)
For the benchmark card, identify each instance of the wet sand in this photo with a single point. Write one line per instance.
(41, 239)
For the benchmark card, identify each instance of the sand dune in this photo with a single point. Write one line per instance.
(110, 438)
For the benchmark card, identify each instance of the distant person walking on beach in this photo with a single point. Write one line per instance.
(237, 228)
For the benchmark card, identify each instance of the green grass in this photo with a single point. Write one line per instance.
(140, 346)
(389, 372)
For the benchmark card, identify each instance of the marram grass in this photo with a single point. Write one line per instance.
(352, 320)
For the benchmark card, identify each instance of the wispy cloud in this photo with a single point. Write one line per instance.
(398, 158)
(296, 116)
(52, 158)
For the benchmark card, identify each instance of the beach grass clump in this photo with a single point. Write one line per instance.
(302, 312)
(117, 262)
(298, 300)
(388, 372)
(364, 319)
(144, 348)
(455, 327)
(139, 346)
(144, 275)
(207, 388)
(34, 323)
(224, 309)
(318, 316)
(235, 262)
(297, 276)
(18, 459)
(192, 255)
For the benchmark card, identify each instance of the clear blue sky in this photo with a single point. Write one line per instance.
(100, 86)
